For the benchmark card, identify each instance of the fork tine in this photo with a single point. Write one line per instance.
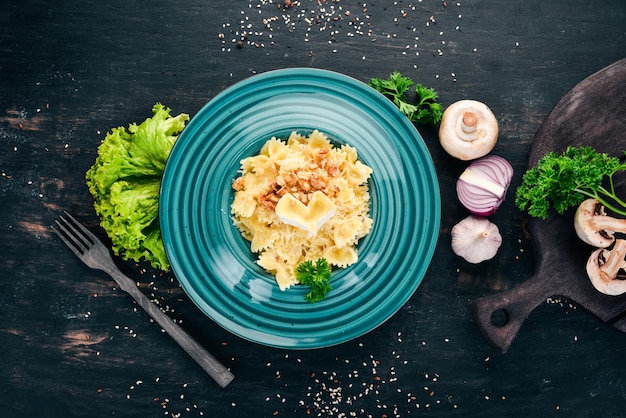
(75, 234)
(82, 230)
(76, 247)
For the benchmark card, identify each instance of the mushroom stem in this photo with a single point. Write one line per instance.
(608, 223)
(469, 122)
(603, 269)
(614, 261)
(466, 127)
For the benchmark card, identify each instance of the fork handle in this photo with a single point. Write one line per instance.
(210, 364)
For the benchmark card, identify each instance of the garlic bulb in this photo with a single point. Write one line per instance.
(476, 239)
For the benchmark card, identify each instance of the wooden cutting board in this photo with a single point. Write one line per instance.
(592, 113)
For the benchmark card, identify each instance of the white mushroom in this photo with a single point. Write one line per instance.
(603, 269)
(468, 130)
(476, 239)
(594, 227)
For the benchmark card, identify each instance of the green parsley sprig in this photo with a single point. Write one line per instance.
(426, 111)
(317, 276)
(566, 180)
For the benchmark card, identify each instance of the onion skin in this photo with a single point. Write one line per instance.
(482, 187)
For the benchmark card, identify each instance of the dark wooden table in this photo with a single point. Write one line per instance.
(73, 345)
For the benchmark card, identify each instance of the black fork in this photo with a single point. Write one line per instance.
(96, 255)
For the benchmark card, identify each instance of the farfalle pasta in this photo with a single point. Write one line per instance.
(302, 167)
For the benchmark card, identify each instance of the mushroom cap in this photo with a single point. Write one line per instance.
(468, 145)
(585, 228)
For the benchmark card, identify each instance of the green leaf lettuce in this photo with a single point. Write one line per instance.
(125, 181)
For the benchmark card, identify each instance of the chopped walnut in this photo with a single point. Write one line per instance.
(333, 171)
(301, 183)
(317, 183)
(238, 184)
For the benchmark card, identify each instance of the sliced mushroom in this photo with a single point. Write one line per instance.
(468, 130)
(594, 227)
(603, 269)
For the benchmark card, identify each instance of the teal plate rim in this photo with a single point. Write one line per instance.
(213, 262)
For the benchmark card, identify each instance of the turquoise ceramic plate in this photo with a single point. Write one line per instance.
(214, 263)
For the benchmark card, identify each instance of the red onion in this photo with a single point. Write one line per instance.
(481, 188)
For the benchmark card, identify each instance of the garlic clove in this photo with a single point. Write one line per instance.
(476, 239)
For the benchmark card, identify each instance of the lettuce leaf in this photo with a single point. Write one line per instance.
(125, 181)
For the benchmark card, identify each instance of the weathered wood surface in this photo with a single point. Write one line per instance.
(75, 345)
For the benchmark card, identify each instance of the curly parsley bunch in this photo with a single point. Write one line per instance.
(566, 180)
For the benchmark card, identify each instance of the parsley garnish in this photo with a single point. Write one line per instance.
(317, 276)
(566, 180)
(426, 111)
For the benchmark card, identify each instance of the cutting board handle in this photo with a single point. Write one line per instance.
(513, 307)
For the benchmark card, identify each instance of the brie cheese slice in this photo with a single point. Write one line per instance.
(309, 217)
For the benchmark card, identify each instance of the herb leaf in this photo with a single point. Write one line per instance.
(566, 180)
(430, 111)
(426, 111)
(317, 276)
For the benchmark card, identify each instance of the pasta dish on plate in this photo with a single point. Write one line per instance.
(302, 199)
